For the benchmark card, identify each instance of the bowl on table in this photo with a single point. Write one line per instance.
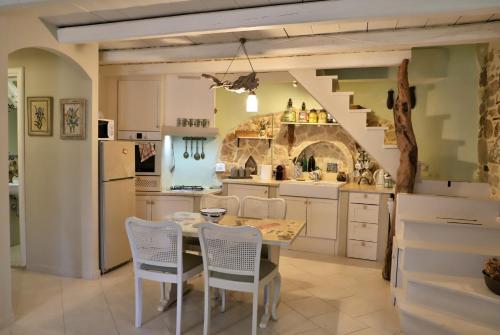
(213, 214)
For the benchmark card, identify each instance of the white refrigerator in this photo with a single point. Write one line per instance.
(116, 201)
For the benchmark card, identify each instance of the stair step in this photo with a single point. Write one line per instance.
(464, 297)
(416, 319)
(456, 231)
(342, 93)
(360, 110)
(390, 146)
(377, 128)
(439, 258)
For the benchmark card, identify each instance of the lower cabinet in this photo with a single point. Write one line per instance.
(241, 190)
(363, 225)
(321, 223)
(159, 207)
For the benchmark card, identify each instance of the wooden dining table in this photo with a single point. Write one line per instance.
(276, 234)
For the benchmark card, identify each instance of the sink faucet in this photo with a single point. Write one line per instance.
(315, 175)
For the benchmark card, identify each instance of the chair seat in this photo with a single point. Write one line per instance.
(190, 261)
(266, 267)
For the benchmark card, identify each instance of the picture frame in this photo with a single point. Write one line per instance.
(73, 117)
(39, 110)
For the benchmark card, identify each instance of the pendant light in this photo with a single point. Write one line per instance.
(247, 83)
(252, 103)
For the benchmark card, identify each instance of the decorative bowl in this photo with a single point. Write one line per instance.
(213, 214)
(493, 284)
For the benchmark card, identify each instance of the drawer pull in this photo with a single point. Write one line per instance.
(364, 207)
(363, 244)
(363, 225)
(365, 195)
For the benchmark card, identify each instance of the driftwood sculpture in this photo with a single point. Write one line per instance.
(243, 84)
(407, 145)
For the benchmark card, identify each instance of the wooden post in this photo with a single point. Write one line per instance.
(407, 144)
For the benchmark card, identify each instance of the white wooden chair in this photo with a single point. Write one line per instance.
(229, 203)
(263, 208)
(231, 260)
(157, 255)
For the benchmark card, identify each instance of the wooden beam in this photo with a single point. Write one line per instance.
(271, 17)
(318, 44)
(330, 61)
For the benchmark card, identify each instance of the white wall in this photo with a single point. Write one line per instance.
(23, 32)
(55, 178)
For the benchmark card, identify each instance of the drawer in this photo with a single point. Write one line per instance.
(363, 213)
(364, 198)
(362, 231)
(362, 249)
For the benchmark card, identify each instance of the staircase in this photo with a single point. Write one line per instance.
(352, 120)
(440, 247)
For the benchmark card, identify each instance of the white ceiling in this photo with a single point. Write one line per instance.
(291, 31)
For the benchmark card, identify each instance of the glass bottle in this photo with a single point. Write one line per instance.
(303, 115)
(322, 116)
(313, 116)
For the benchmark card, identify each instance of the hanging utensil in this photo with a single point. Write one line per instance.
(197, 154)
(186, 153)
(202, 150)
(191, 147)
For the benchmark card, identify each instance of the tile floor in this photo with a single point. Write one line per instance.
(321, 295)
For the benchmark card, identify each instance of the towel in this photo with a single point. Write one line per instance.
(146, 150)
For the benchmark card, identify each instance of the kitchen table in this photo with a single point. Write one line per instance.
(276, 233)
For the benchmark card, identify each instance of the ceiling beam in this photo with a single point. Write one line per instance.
(342, 60)
(271, 17)
(310, 45)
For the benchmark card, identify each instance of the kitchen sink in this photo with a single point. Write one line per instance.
(13, 189)
(312, 189)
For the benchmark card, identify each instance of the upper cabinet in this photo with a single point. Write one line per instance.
(139, 104)
(188, 96)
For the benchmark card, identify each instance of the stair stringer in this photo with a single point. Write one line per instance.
(354, 123)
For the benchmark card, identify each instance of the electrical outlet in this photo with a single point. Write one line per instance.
(331, 167)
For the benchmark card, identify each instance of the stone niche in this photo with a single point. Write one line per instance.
(327, 143)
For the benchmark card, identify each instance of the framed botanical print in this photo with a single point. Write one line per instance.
(73, 119)
(39, 116)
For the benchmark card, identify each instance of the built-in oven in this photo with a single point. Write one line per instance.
(148, 158)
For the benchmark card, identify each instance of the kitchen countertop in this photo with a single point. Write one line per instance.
(256, 181)
(354, 187)
(182, 193)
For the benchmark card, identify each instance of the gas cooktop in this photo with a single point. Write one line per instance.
(186, 188)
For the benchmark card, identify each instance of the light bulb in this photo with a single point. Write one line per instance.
(252, 103)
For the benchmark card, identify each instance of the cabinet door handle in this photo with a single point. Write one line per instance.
(265, 192)
(363, 225)
(306, 202)
(152, 202)
(363, 244)
(365, 195)
(364, 207)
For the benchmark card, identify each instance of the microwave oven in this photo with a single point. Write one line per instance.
(106, 130)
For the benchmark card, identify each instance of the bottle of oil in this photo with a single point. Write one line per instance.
(313, 116)
(303, 115)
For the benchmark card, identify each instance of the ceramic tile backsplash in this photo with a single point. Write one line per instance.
(328, 144)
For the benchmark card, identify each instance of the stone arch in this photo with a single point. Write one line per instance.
(342, 152)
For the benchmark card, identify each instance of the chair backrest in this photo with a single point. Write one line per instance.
(231, 250)
(155, 243)
(229, 203)
(263, 208)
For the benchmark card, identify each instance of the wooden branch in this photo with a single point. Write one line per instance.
(407, 144)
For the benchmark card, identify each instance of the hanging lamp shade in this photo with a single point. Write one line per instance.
(252, 103)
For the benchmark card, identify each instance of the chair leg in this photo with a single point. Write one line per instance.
(138, 302)
(265, 318)
(255, 308)
(222, 300)
(207, 311)
(276, 298)
(178, 321)
(163, 298)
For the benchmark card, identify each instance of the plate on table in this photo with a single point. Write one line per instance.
(186, 217)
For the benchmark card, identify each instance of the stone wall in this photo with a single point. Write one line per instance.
(329, 144)
(489, 110)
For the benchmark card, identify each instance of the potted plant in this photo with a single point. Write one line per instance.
(492, 275)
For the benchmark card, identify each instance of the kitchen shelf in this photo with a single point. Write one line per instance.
(189, 131)
(269, 139)
(311, 124)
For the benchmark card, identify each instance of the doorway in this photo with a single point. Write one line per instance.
(16, 166)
